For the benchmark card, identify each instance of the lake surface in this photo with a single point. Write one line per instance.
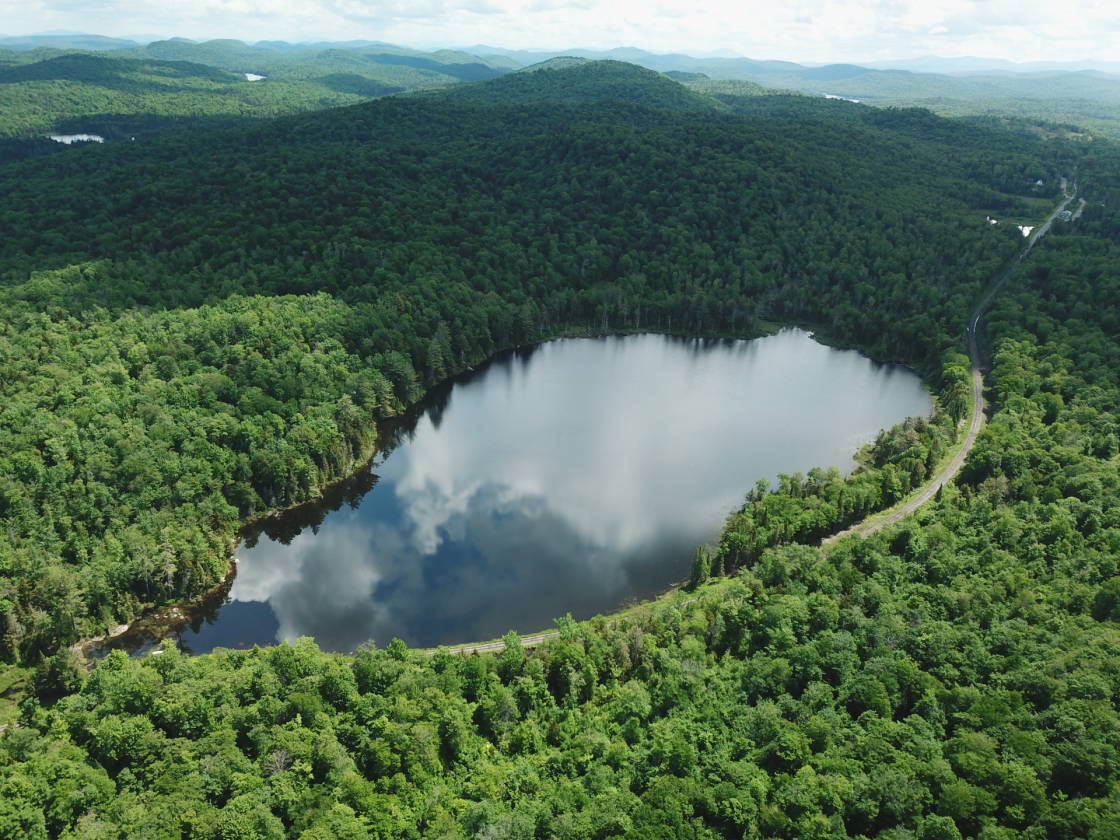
(68, 139)
(568, 478)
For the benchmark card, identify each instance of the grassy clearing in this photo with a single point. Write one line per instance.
(15, 684)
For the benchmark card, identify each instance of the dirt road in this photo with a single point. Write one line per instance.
(929, 490)
(494, 647)
(976, 421)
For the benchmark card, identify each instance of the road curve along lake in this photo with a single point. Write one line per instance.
(571, 477)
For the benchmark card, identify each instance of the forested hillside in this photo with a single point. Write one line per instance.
(210, 334)
(463, 228)
(181, 84)
(1086, 102)
(1082, 101)
(119, 98)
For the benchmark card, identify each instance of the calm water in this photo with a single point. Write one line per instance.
(69, 139)
(572, 477)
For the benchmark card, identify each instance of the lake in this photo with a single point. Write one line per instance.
(572, 477)
(70, 139)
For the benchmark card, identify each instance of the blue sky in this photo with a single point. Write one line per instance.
(800, 30)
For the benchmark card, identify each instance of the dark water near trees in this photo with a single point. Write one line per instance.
(571, 477)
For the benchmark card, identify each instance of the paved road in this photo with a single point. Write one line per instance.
(976, 421)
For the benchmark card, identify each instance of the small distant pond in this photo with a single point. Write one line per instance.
(571, 477)
(77, 138)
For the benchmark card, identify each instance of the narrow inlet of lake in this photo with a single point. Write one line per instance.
(572, 477)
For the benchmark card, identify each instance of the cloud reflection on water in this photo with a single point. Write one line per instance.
(568, 479)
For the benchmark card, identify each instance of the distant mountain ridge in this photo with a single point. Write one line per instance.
(133, 90)
(975, 65)
(1076, 96)
(301, 60)
(65, 41)
(715, 66)
(1052, 93)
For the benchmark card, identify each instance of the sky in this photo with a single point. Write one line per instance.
(814, 31)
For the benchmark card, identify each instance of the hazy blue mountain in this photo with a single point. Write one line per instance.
(1082, 94)
(1084, 98)
(65, 41)
(976, 65)
(414, 68)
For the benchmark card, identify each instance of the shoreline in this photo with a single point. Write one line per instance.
(869, 524)
(180, 612)
(148, 629)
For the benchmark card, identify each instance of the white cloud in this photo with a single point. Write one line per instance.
(805, 30)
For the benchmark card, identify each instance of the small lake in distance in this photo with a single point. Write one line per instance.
(572, 477)
(70, 139)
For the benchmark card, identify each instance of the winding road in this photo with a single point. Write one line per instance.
(947, 473)
(976, 421)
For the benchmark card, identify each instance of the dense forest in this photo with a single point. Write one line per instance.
(209, 335)
(168, 85)
(120, 89)
(1054, 98)
(162, 388)
(120, 98)
(1076, 103)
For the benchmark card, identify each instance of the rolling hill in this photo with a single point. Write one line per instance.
(134, 91)
(197, 331)
(508, 210)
